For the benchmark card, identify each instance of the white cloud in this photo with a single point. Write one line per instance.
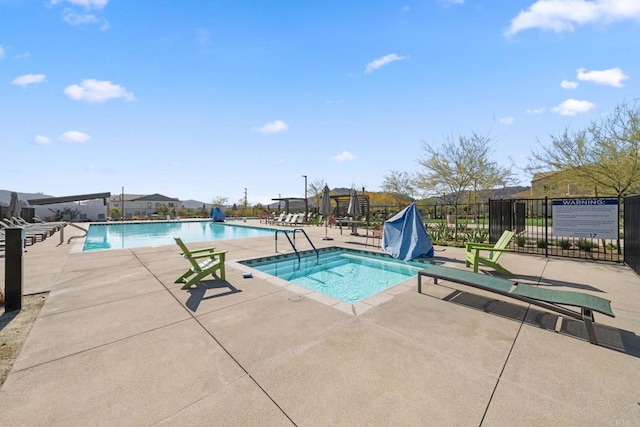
(73, 18)
(96, 91)
(40, 139)
(381, 62)
(406, 8)
(564, 15)
(568, 84)
(506, 121)
(88, 4)
(611, 77)
(571, 107)
(74, 136)
(345, 155)
(535, 111)
(2, 53)
(274, 127)
(28, 79)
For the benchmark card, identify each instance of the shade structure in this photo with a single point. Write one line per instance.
(326, 209)
(15, 209)
(354, 210)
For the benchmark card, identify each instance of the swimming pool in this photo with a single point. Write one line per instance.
(344, 274)
(138, 234)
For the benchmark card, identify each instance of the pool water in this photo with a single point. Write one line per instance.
(138, 234)
(345, 274)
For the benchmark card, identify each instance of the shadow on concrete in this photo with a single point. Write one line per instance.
(621, 340)
(197, 293)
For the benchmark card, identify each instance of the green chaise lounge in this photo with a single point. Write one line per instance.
(203, 262)
(549, 299)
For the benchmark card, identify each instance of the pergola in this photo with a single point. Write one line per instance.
(286, 201)
(363, 200)
(66, 199)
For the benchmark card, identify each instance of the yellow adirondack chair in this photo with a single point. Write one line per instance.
(212, 261)
(474, 249)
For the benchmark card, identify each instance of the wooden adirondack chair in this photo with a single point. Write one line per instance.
(212, 261)
(474, 249)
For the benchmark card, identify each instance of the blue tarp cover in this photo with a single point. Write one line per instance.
(217, 214)
(405, 237)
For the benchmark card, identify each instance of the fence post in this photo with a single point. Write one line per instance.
(546, 227)
(13, 269)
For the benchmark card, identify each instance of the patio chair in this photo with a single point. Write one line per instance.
(291, 220)
(212, 261)
(474, 249)
(373, 234)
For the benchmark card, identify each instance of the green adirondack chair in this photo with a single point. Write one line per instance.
(203, 262)
(475, 258)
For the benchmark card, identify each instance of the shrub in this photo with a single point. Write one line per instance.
(586, 245)
(477, 235)
(541, 243)
(563, 244)
(521, 241)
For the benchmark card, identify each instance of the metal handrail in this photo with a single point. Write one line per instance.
(289, 239)
(308, 239)
(293, 243)
(72, 237)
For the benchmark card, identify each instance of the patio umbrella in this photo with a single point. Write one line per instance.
(15, 209)
(354, 210)
(326, 210)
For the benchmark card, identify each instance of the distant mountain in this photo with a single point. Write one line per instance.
(195, 204)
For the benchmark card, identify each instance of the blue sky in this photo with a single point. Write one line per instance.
(201, 99)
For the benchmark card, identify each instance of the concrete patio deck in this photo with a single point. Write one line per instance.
(118, 343)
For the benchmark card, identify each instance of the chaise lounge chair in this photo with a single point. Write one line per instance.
(212, 261)
(474, 249)
(549, 299)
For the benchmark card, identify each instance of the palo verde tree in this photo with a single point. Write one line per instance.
(460, 165)
(399, 185)
(219, 201)
(606, 153)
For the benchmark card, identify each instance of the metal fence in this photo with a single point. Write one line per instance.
(632, 232)
(532, 221)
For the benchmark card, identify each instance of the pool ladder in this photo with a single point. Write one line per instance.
(293, 242)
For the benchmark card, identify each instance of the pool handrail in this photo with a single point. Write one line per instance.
(308, 239)
(293, 245)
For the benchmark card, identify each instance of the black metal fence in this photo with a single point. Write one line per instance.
(531, 220)
(632, 232)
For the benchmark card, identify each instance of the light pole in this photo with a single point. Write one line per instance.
(245, 199)
(306, 201)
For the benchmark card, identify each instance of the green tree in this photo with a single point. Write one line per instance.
(606, 153)
(399, 185)
(460, 165)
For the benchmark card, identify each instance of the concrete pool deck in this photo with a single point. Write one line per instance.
(118, 343)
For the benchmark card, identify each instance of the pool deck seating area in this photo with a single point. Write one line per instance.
(119, 343)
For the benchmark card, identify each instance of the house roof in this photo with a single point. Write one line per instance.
(156, 198)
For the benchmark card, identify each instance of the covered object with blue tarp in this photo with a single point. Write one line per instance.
(405, 237)
(217, 215)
